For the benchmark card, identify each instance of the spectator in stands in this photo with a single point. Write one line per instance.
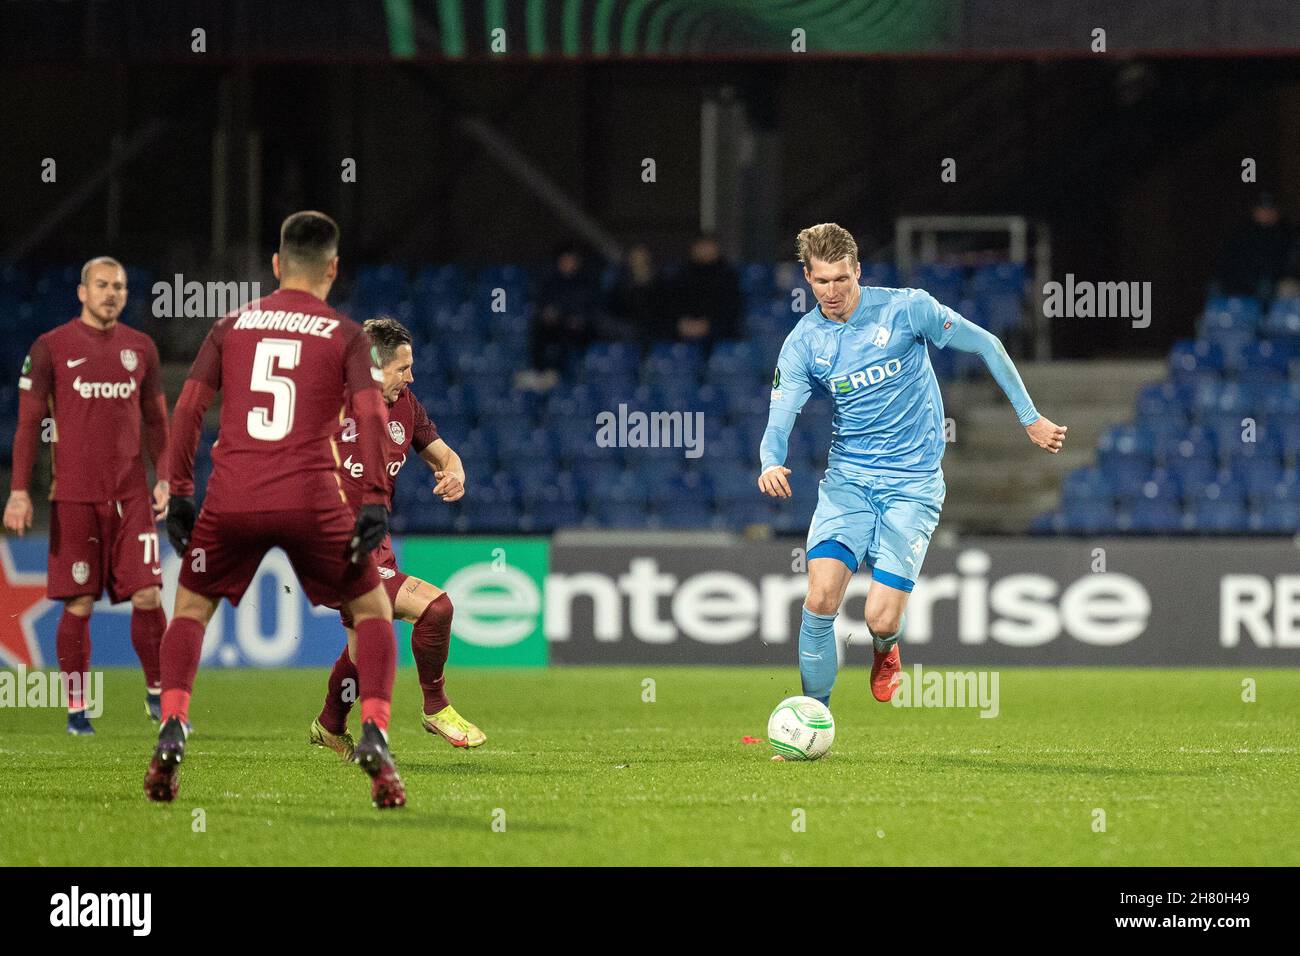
(563, 324)
(707, 297)
(1258, 257)
(635, 304)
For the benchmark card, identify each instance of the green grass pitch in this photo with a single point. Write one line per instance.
(582, 771)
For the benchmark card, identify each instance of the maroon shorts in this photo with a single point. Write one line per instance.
(226, 549)
(95, 546)
(391, 578)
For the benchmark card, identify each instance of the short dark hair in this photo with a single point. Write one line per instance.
(386, 335)
(308, 241)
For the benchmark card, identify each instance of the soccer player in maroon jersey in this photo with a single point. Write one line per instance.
(99, 381)
(286, 365)
(427, 608)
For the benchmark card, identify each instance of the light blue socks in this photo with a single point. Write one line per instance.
(818, 655)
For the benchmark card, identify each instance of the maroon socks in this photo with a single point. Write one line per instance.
(430, 641)
(147, 628)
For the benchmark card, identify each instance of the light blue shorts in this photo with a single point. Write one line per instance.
(884, 520)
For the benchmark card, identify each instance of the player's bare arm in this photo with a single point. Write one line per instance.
(448, 469)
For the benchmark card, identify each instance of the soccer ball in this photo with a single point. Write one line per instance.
(801, 729)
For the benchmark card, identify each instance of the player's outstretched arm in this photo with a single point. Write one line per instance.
(969, 337)
(448, 469)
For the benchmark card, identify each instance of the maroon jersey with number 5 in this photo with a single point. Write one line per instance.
(409, 429)
(286, 365)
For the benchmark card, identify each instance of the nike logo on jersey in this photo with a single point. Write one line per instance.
(821, 361)
(354, 468)
(73, 363)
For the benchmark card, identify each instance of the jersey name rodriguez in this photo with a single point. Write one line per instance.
(278, 320)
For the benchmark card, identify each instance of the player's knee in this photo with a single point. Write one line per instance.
(440, 609)
(147, 599)
(883, 621)
(822, 601)
(80, 605)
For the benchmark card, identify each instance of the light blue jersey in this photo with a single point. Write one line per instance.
(888, 413)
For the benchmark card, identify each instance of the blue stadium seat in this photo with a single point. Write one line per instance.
(685, 487)
(1218, 516)
(618, 514)
(445, 283)
(1153, 516)
(1194, 443)
(1003, 312)
(1276, 517)
(731, 357)
(628, 488)
(1191, 357)
(998, 278)
(689, 515)
(942, 281)
(1258, 476)
(1125, 442)
(1156, 432)
(673, 360)
(1087, 517)
(1227, 490)
(1088, 484)
(610, 362)
(523, 447)
(551, 516)
(1049, 522)
(1283, 318)
(1272, 355)
(757, 280)
(722, 443)
(882, 274)
(740, 514)
(1159, 486)
(1233, 312)
(733, 485)
(1163, 398)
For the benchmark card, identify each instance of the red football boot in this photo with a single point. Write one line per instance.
(885, 674)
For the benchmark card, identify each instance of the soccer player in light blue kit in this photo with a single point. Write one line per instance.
(880, 498)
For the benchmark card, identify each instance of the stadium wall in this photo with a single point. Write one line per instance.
(530, 601)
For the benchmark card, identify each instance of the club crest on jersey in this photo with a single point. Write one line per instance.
(80, 572)
(881, 338)
(386, 572)
(396, 432)
(130, 361)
